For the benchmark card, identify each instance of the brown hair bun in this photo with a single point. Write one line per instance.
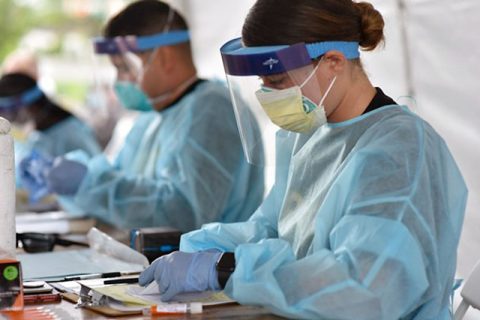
(371, 26)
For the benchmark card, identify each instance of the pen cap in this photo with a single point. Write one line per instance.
(7, 193)
(196, 307)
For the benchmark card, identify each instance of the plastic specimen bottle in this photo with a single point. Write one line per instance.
(11, 291)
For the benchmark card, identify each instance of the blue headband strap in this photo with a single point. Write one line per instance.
(139, 43)
(163, 39)
(24, 99)
(348, 48)
(265, 60)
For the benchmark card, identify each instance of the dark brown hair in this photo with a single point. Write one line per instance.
(275, 22)
(144, 17)
(44, 111)
(12, 84)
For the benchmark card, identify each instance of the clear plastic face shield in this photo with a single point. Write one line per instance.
(124, 62)
(278, 87)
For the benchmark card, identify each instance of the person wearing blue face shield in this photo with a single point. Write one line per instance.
(182, 163)
(39, 123)
(365, 215)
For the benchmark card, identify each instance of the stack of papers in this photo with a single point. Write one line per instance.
(128, 297)
(52, 222)
(152, 296)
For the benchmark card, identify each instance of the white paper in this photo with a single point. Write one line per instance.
(152, 288)
(50, 222)
(59, 264)
(59, 227)
(151, 293)
(32, 217)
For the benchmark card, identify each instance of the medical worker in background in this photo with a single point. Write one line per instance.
(182, 164)
(364, 218)
(21, 61)
(41, 124)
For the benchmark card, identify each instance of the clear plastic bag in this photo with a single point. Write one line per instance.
(105, 244)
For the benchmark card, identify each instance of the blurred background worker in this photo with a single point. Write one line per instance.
(40, 124)
(24, 62)
(365, 215)
(182, 163)
(99, 108)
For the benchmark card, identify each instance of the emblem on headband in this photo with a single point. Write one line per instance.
(270, 62)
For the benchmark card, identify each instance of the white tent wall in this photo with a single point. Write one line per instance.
(443, 48)
(445, 79)
(212, 23)
(436, 61)
(446, 74)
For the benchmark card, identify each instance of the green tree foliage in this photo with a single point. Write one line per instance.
(14, 22)
(19, 17)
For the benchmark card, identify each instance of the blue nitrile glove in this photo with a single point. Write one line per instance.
(34, 170)
(65, 176)
(183, 272)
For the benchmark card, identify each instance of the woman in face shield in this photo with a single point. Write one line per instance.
(39, 123)
(364, 218)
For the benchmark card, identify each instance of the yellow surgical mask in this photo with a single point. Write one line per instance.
(291, 110)
(20, 132)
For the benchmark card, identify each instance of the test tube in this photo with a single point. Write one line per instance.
(173, 308)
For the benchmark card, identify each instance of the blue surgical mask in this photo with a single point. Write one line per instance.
(131, 96)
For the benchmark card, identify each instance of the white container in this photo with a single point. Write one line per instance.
(7, 193)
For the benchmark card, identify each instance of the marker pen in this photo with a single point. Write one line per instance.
(173, 308)
(121, 280)
(93, 276)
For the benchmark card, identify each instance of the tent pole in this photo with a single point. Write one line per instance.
(402, 9)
